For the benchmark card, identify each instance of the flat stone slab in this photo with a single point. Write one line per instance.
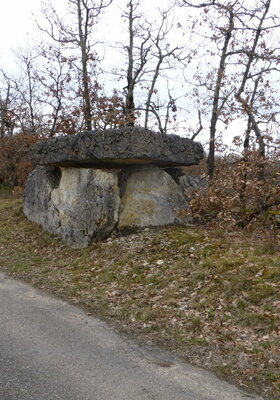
(117, 148)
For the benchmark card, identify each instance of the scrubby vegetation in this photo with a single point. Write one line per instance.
(244, 192)
(14, 161)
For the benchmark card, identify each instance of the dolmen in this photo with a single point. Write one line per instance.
(88, 185)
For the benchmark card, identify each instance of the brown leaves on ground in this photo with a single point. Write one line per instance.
(210, 294)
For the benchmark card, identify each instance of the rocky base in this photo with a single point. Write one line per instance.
(82, 205)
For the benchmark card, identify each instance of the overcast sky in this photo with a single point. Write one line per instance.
(17, 26)
(17, 20)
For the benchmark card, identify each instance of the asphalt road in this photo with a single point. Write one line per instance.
(52, 350)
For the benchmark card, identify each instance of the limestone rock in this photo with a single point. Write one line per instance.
(37, 206)
(187, 183)
(151, 198)
(115, 148)
(82, 208)
(192, 182)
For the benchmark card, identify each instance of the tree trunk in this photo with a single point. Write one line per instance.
(215, 104)
(129, 100)
(84, 58)
(248, 106)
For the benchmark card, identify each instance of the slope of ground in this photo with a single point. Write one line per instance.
(211, 295)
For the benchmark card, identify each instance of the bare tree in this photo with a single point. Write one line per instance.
(245, 58)
(163, 55)
(222, 36)
(227, 35)
(57, 91)
(148, 57)
(252, 55)
(78, 36)
(27, 89)
(137, 51)
(6, 124)
(24, 88)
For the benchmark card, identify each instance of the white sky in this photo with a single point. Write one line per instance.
(17, 24)
(18, 27)
(17, 21)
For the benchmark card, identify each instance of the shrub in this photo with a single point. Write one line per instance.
(14, 161)
(244, 191)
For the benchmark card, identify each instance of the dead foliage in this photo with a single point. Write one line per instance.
(244, 192)
(14, 161)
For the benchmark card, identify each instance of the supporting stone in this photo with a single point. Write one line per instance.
(151, 198)
(187, 183)
(82, 208)
(37, 195)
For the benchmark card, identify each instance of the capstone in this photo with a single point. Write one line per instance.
(114, 148)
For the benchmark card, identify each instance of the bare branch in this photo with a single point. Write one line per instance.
(199, 128)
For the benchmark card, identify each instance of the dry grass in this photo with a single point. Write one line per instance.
(211, 295)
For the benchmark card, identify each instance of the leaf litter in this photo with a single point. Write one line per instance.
(209, 294)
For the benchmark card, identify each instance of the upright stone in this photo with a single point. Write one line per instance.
(82, 208)
(37, 194)
(151, 198)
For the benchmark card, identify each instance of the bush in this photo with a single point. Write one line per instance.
(244, 191)
(14, 161)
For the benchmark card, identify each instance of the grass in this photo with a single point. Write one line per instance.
(211, 295)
